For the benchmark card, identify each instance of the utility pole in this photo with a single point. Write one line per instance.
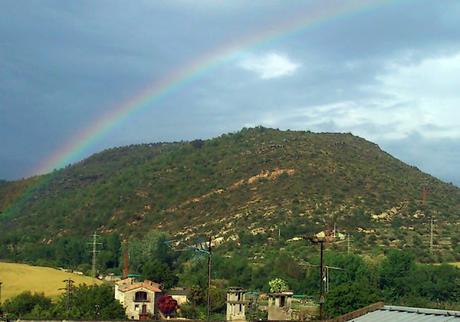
(431, 235)
(348, 243)
(321, 289)
(424, 197)
(126, 260)
(68, 290)
(94, 252)
(1, 293)
(321, 241)
(209, 278)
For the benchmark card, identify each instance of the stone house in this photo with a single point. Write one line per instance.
(138, 298)
(236, 304)
(179, 294)
(279, 306)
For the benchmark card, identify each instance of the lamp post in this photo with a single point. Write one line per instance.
(321, 240)
(208, 295)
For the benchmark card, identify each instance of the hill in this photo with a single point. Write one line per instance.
(253, 186)
(17, 278)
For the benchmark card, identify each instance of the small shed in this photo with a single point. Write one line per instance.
(236, 304)
(279, 306)
(180, 294)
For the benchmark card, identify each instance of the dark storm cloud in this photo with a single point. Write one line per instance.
(64, 64)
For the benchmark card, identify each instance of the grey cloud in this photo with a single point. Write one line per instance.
(64, 64)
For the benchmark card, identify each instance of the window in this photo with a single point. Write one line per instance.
(140, 296)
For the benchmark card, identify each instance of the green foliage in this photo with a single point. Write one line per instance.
(218, 293)
(256, 188)
(130, 190)
(158, 271)
(86, 303)
(396, 274)
(277, 285)
(27, 304)
(190, 311)
(95, 302)
(151, 257)
(349, 297)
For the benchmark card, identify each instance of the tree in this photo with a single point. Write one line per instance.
(158, 271)
(396, 274)
(278, 285)
(152, 245)
(167, 305)
(24, 303)
(94, 302)
(349, 297)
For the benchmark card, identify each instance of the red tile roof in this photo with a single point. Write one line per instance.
(129, 284)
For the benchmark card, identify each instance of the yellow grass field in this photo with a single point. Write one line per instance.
(17, 278)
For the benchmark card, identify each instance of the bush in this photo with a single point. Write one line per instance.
(26, 302)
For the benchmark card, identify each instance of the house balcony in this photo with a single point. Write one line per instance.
(142, 299)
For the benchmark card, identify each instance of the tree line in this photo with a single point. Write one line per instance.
(395, 278)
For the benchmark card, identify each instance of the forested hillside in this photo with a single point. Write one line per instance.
(257, 187)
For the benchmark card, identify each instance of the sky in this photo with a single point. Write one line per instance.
(389, 72)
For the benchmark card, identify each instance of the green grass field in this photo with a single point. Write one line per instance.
(17, 278)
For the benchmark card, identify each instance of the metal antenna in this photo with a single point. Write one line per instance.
(206, 249)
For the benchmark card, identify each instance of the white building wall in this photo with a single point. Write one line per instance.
(133, 308)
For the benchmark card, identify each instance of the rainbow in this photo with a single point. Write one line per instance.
(74, 148)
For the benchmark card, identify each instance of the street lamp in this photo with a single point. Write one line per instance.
(321, 239)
